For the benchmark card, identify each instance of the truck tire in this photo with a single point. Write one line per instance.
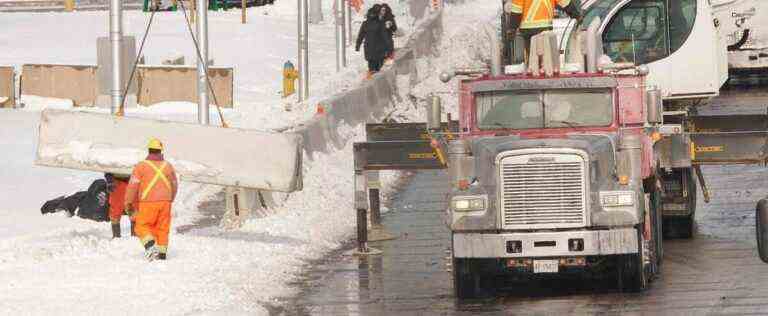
(761, 229)
(631, 271)
(466, 281)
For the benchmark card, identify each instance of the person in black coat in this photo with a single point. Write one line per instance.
(389, 23)
(374, 33)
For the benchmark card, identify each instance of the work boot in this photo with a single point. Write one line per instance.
(115, 230)
(151, 251)
(161, 256)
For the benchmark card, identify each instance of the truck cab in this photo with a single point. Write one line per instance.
(553, 175)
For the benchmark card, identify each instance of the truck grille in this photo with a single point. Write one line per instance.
(543, 191)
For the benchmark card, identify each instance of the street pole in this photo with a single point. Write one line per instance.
(348, 21)
(115, 37)
(303, 50)
(203, 116)
(243, 6)
(341, 34)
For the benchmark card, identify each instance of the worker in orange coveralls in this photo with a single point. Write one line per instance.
(153, 184)
(116, 185)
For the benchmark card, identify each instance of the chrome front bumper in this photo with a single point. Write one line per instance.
(596, 242)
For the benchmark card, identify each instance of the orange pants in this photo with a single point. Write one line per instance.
(153, 222)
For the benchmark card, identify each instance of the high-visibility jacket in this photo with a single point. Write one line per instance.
(117, 199)
(152, 181)
(536, 13)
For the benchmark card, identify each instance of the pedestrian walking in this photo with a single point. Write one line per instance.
(374, 34)
(153, 184)
(390, 25)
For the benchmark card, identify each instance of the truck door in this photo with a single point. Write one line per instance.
(677, 39)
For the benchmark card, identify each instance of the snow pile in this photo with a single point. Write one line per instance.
(35, 103)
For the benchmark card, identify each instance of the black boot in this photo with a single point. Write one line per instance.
(115, 230)
(133, 227)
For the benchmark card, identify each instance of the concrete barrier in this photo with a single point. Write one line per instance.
(179, 83)
(79, 83)
(200, 153)
(74, 82)
(7, 87)
(369, 101)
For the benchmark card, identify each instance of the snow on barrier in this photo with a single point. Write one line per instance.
(99, 142)
(370, 100)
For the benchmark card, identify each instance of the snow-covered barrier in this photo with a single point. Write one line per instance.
(369, 101)
(204, 154)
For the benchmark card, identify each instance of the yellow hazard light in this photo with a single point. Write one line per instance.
(656, 136)
(624, 180)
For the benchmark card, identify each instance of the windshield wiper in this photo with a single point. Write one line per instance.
(498, 124)
(569, 123)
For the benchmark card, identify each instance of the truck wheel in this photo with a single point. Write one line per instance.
(685, 226)
(631, 269)
(466, 281)
(761, 229)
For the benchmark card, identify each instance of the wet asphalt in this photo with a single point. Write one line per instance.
(717, 272)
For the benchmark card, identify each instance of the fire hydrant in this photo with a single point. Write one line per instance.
(289, 78)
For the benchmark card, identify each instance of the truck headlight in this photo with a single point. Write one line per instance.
(468, 203)
(617, 198)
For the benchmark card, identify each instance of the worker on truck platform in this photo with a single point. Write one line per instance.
(531, 17)
(153, 185)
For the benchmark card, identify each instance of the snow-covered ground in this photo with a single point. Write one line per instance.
(58, 265)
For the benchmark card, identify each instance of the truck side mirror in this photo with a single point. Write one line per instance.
(434, 112)
(654, 108)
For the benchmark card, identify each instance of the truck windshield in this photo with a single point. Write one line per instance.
(544, 109)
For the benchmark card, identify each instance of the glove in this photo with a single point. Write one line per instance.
(130, 211)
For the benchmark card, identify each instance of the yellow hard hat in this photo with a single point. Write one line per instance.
(155, 143)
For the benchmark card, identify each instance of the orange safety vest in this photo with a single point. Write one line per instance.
(153, 181)
(536, 13)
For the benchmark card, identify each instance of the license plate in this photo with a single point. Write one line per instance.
(545, 266)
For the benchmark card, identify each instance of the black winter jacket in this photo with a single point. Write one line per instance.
(390, 31)
(373, 32)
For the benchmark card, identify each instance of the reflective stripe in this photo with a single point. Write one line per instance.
(162, 249)
(159, 175)
(563, 3)
(532, 10)
(515, 8)
(548, 4)
(536, 25)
